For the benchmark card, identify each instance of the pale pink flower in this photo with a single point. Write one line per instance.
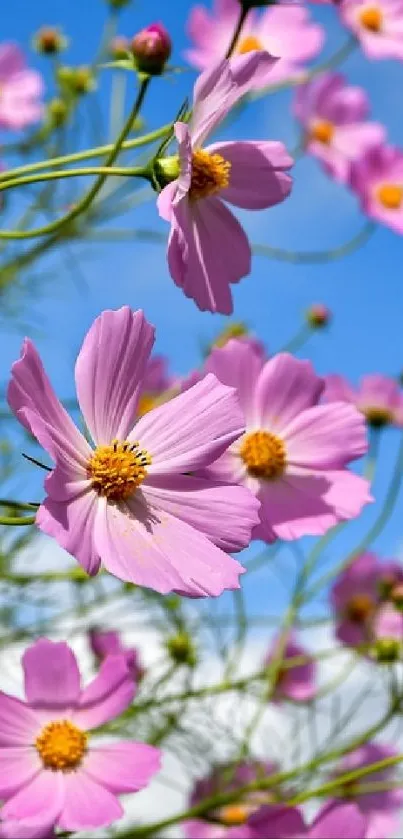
(334, 118)
(339, 820)
(358, 593)
(377, 180)
(26, 829)
(378, 397)
(378, 24)
(104, 642)
(335, 820)
(294, 453)
(20, 90)
(128, 500)
(208, 249)
(51, 773)
(297, 683)
(284, 31)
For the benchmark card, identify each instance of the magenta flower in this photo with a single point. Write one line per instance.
(296, 683)
(276, 821)
(27, 829)
(333, 115)
(378, 24)
(378, 397)
(294, 453)
(20, 90)
(380, 809)
(50, 771)
(339, 819)
(284, 31)
(357, 594)
(128, 501)
(377, 179)
(208, 250)
(388, 624)
(104, 642)
(229, 821)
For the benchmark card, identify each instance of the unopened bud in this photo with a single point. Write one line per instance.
(117, 4)
(167, 169)
(76, 80)
(151, 49)
(387, 650)
(58, 112)
(119, 47)
(181, 649)
(49, 40)
(318, 315)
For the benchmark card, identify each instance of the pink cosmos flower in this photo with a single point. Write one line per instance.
(27, 829)
(333, 115)
(378, 397)
(296, 683)
(294, 453)
(380, 809)
(208, 249)
(276, 821)
(357, 595)
(106, 642)
(378, 24)
(334, 820)
(129, 500)
(284, 31)
(229, 821)
(339, 819)
(377, 179)
(50, 771)
(20, 90)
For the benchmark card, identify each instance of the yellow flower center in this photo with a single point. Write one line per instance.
(264, 455)
(210, 174)
(147, 402)
(249, 44)
(61, 745)
(371, 18)
(390, 196)
(322, 131)
(360, 608)
(117, 470)
(377, 417)
(233, 814)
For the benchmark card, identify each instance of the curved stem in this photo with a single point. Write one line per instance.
(135, 172)
(18, 505)
(318, 257)
(298, 340)
(16, 520)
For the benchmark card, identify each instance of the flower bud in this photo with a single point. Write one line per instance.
(167, 169)
(151, 49)
(58, 112)
(318, 315)
(76, 80)
(181, 649)
(387, 650)
(119, 47)
(49, 40)
(117, 4)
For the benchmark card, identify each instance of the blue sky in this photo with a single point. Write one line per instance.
(364, 291)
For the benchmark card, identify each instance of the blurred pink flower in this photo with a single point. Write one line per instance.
(380, 809)
(294, 453)
(357, 594)
(284, 31)
(208, 249)
(296, 683)
(377, 179)
(378, 24)
(45, 738)
(333, 115)
(106, 642)
(339, 820)
(388, 623)
(129, 501)
(378, 397)
(26, 829)
(20, 90)
(229, 821)
(276, 821)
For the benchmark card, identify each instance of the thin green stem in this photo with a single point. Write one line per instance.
(18, 505)
(299, 339)
(318, 257)
(15, 520)
(124, 172)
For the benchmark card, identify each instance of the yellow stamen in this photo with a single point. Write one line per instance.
(390, 196)
(233, 814)
(360, 608)
(322, 131)
(248, 44)
(61, 745)
(264, 455)
(117, 470)
(371, 18)
(210, 174)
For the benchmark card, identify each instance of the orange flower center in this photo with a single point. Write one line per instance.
(210, 174)
(117, 470)
(360, 608)
(322, 131)
(233, 814)
(390, 196)
(264, 455)
(61, 745)
(371, 18)
(377, 417)
(249, 44)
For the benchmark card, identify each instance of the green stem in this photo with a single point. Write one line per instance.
(88, 198)
(18, 505)
(15, 520)
(134, 172)
(298, 340)
(318, 257)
